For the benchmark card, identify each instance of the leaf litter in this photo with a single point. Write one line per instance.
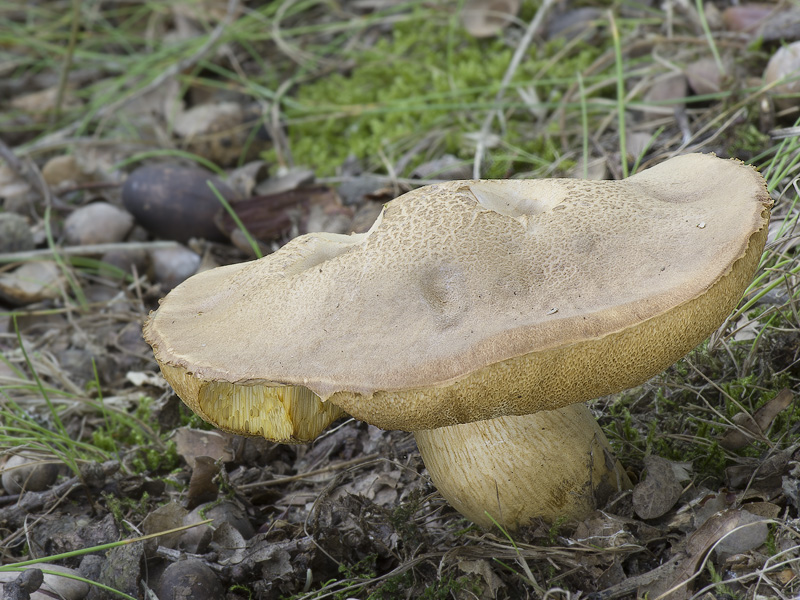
(712, 447)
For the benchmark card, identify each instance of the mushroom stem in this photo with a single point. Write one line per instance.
(549, 464)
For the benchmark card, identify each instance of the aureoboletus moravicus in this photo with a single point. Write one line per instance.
(479, 315)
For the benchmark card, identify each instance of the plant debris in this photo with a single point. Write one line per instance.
(310, 116)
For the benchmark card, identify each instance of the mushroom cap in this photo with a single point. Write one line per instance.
(470, 300)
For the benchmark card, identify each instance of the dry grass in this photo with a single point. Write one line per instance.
(354, 515)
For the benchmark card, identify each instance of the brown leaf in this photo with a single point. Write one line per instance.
(201, 485)
(750, 428)
(214, 444)
(660, 490)
(747, 532)
(482, 568)
(741, 531)
(272, 216)
(767, 413)
(168, 516)
(662, 98)
(746, 17)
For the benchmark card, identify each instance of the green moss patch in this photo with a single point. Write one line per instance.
(427, 89)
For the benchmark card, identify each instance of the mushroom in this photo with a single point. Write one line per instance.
(479, 315)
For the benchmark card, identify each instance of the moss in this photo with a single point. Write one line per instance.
(425, 88)
(119, 431)
(125, 509)
(363, 569)
(441, 589)
(748, 140)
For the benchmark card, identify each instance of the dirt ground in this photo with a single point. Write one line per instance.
(113, 117)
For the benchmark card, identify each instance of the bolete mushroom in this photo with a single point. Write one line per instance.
(479, 315)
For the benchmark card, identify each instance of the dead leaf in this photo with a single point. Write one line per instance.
(381, 488)
(229, 543)
(759, 473)
(482, 568)
(243, 180)
(300, 210)
(746, 329)
(661, 489)
(767, 413)
(168, 516)
(191, 443)
(575, 23)
(221, 131)
(202, 488)
(142, 378)
(780, 75)
(664, 95)
(704, 76)
(603, 531)
(719, 526)
(447, 166)
(485, 18)
(198, 120)
(676, 584)
(767, 510)
(747, 531)
(746, 17)
(770, 22)
(753, 428)
(44, 101)
(638, 142)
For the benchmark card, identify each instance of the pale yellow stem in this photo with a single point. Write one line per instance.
(548, 465)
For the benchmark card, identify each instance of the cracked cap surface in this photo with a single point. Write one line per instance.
(470, 300)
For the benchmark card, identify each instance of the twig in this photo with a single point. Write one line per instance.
(14, 516)
(87, 249)
(520, 52)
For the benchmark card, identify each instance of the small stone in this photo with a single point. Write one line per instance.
(124, 259)
(704, 76)
(172, 266)
(487, 18)
(189, 579)
(174, 202)
(32, 282)
(97, 223)
(15, 234)
(60, 169)
(51, 586)
(28, 472)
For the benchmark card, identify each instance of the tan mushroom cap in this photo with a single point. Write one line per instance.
(471, 300)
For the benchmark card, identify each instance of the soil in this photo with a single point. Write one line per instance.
(114, 459)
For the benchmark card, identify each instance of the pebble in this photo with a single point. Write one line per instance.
(97, 223)
(28, 472)
(15, 234)
(171, 266)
